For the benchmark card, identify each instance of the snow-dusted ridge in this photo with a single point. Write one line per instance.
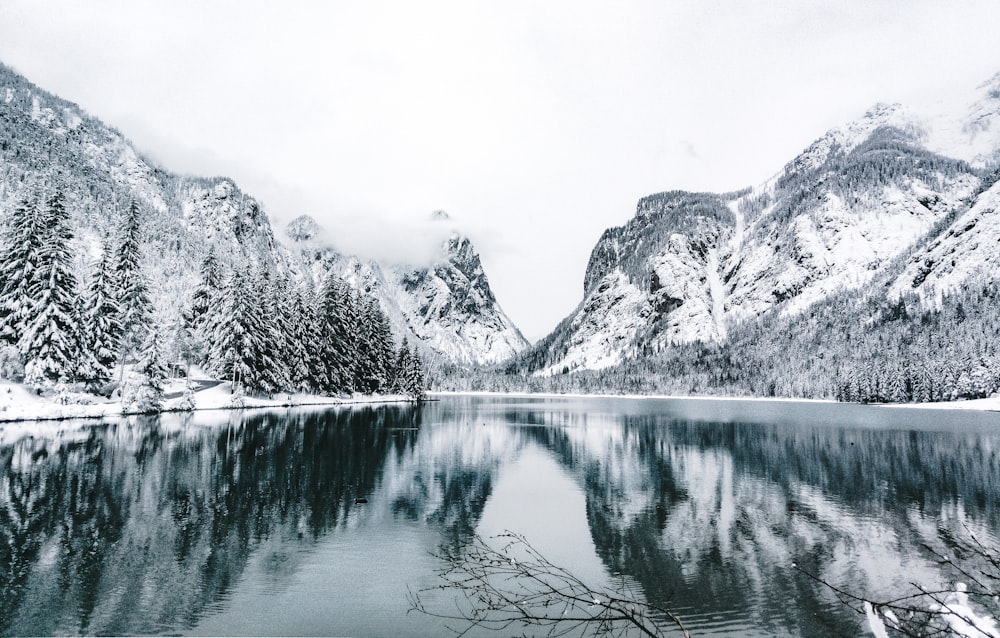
(837, 218)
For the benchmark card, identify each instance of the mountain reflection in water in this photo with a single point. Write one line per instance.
(199, 523)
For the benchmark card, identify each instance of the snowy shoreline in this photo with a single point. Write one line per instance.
(991, 404)
(18, 403)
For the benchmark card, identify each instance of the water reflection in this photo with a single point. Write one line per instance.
(711, 516)
(155, 525)
(137, 528)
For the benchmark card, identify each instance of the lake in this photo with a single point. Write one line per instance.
(323, 522)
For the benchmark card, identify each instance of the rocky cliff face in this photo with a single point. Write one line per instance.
(446, 308)
(896, 194)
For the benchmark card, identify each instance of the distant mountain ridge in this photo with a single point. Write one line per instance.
(48, 142)
(898, 195)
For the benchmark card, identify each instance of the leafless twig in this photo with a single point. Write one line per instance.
(515, 587)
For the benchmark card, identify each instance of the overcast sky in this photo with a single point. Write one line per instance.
(535, 125)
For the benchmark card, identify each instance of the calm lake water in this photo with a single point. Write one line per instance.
(247, 523)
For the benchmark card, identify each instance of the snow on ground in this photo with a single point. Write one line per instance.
(19, 403)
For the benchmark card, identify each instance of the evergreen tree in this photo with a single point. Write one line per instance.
(383, 348)
(143, 390)
(240, 349)
(337, 353)
(19, 268)
(181, 345)
(374, 349)
(102, 325)
(271, 372)
(298, 325)
(50, 345)
(409, 373)
(133, 293)
(198, 317)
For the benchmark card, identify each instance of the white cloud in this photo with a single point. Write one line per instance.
(537, 125)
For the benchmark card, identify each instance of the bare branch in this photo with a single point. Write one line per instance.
(516, 586)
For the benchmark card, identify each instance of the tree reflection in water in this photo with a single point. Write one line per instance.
(711, 516)
(148, 525)
(136, 527)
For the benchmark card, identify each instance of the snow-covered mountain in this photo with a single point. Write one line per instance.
(446, 305)
(897, 185)
(48, 142)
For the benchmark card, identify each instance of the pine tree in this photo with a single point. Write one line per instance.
(50, 345)
(373, 348)
(242, 348)
(205, 294)
(409, 373)
(397, 375)
(102, 325)
(383, 348)
(336, 325)
(143, 390)
(19, 268)
(271, 372)
(133, 295)
(181, 345)
(198, 316)
(416, 379)
(298, 327)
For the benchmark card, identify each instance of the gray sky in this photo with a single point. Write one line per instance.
(535, 125)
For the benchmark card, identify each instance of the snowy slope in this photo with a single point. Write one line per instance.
(838, 217)
(969, 248)
(967, 126)
(446, 307)
(46, 142)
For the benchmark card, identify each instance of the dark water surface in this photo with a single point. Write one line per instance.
(247, 523)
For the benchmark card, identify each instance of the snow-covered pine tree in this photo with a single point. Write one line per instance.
(383, 346)
(207, 290)
(180, 347)
(142, 391)
(337, 354)
(133, 293)
(409, 373)
(271, 368)
(296, 322)
(198, 317)
(18, 267)
(101, 322)
(239, 351)
(50, 345)
(369, 367)
(313, 329)
(416, 379)
(227, 341)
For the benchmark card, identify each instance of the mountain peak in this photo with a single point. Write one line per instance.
(302, 228)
